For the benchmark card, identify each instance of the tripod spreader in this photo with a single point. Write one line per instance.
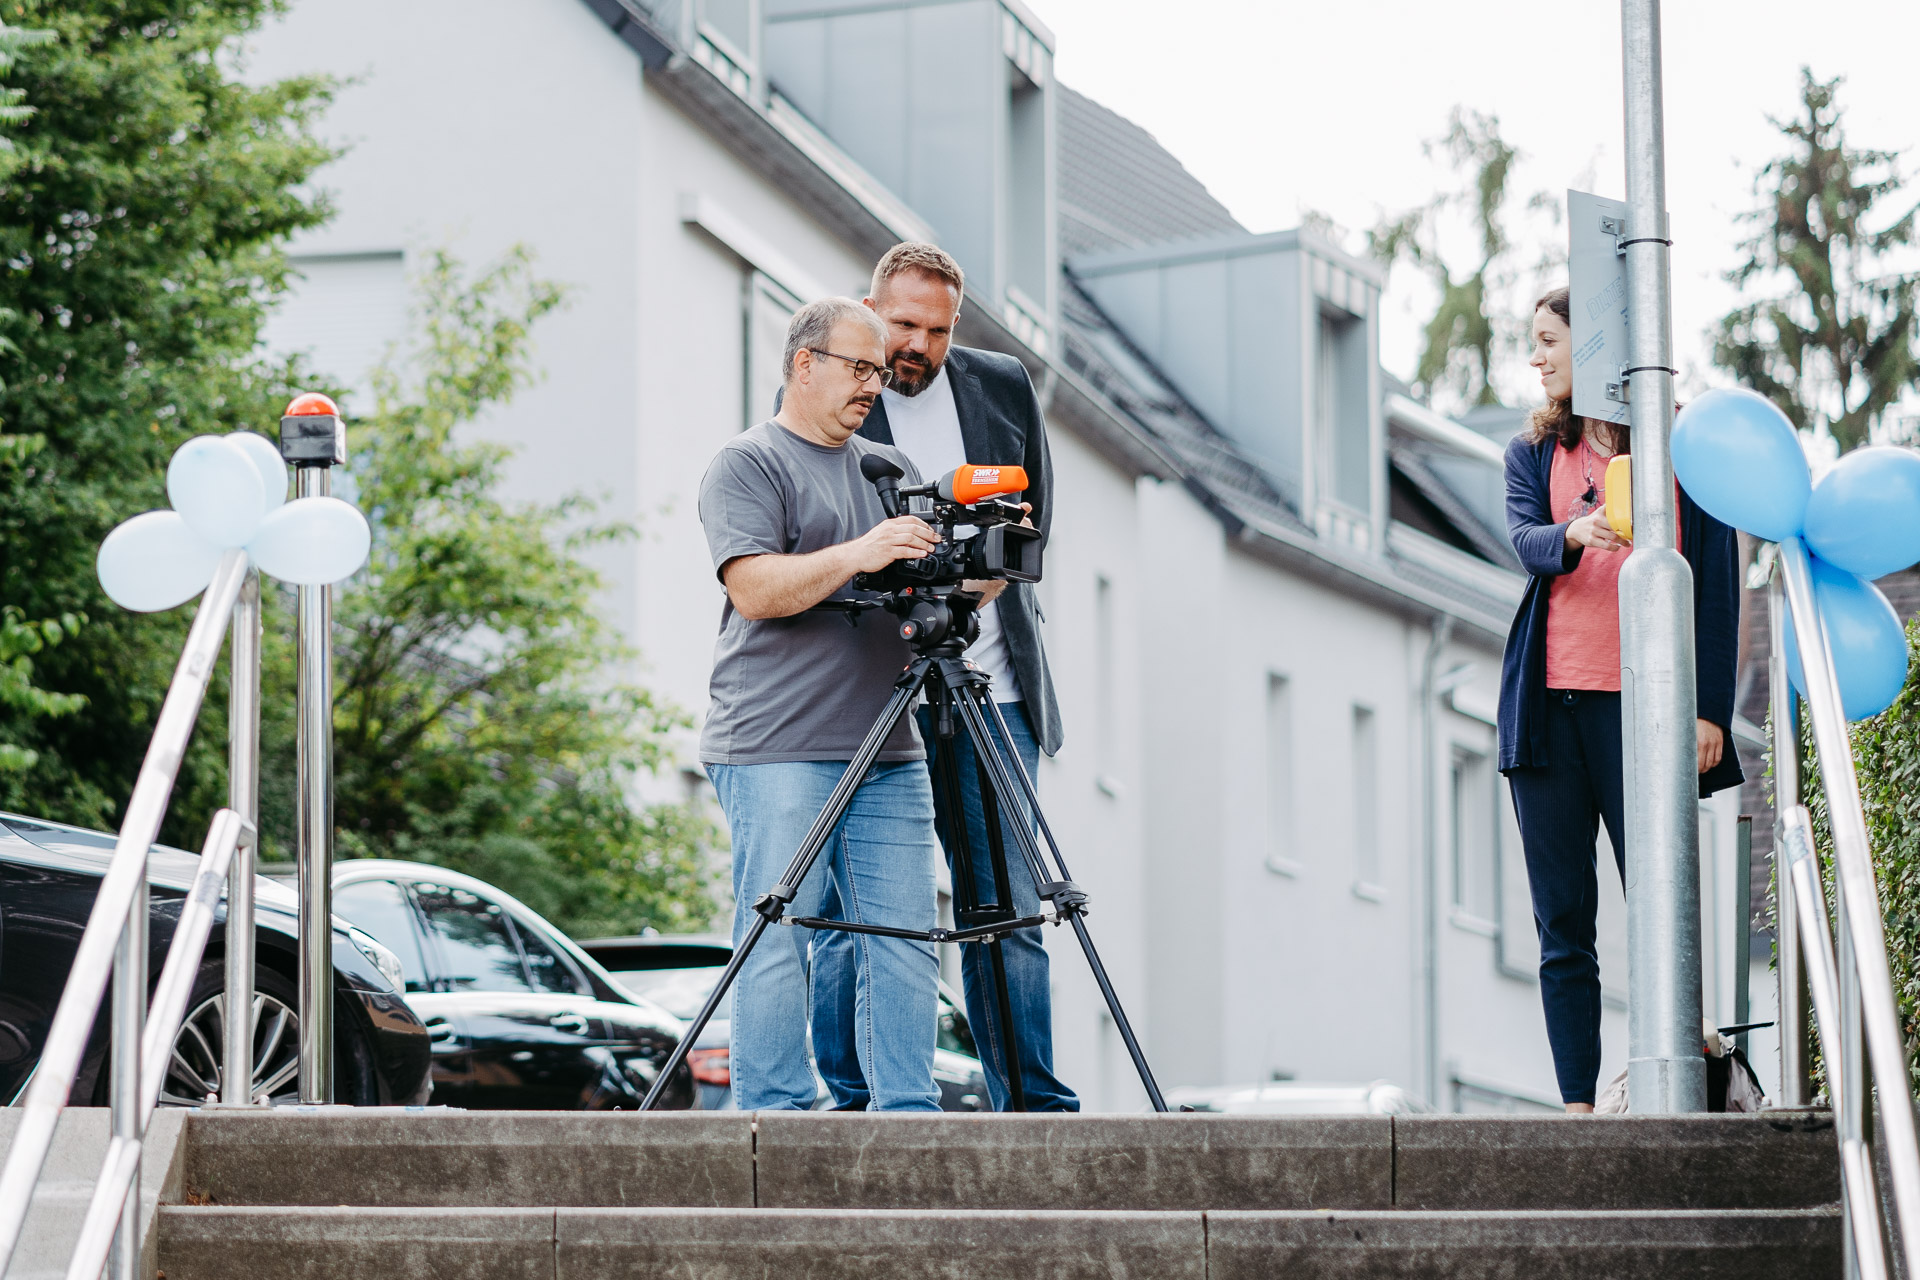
(979, 933)
(1068, 898)
(773, 902)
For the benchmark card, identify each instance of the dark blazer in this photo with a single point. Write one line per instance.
(1000, 422)
(1712, 550)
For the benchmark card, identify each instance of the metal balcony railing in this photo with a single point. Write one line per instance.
(115, 943)
(1852, 992)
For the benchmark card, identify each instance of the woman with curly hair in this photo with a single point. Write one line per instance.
(1560, 683)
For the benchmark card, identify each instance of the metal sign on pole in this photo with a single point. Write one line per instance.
(1597, 305)
(314, 441)
(1666, 1071)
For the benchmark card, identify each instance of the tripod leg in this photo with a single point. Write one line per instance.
(975, 718)
(701, 1019)
(1009, 1043)
(770, 905)
(1009, 1040)
(1027, 791)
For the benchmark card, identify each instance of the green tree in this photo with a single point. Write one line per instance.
(1831, 338)
(139, 235)
(1469, 332)
(1886, 760)
(479, 721)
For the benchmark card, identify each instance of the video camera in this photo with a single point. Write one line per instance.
(970, 495)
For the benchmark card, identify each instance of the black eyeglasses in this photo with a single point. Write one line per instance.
(862, 369)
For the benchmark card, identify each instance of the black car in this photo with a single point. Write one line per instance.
(680, 971)
(520, 1017)
(49, 877)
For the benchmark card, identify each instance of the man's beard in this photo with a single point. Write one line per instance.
(908, 384)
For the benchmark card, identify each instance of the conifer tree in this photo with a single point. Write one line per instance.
(1828, 334)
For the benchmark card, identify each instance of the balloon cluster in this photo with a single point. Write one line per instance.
(228, 491)
(1740, 459)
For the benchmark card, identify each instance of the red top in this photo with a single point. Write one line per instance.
(1583, 607)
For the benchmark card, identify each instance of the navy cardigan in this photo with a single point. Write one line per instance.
(1712, 550)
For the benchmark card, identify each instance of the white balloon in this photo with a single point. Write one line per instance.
(155, 561)
(312, 542)
(216, 488)
(266, 459)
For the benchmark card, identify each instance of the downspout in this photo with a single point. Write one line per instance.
(1430, 867)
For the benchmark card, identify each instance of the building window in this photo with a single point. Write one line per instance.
(1366, 804)
(1279, 776)
(769, 309)
(1025, 209)
(1475, 812)
(1106, 691)
(1342, 419)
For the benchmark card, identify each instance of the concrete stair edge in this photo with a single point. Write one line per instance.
(219, 1243)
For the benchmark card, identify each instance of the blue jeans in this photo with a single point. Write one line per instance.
(1028, 989)
(879, 863)
(1560, 806)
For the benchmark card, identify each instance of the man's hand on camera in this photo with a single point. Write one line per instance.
(779, 586)
(901, 538)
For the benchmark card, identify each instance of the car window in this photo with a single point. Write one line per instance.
(549, 971)
(955, 1035)
(381, 908)
(680, 992)
(475, 948)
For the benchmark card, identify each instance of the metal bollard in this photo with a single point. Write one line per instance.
(314, 440)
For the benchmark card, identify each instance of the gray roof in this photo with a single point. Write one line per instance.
(1120, 189)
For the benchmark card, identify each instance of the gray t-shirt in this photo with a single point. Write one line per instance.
(806, 687)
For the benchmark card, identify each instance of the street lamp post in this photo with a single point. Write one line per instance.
(1666, 1071)
(314, 441)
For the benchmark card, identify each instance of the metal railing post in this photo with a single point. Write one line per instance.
(1796, 1067)
(1666, 1070)
(1860, 898)
(243, 797)
(129, 1029)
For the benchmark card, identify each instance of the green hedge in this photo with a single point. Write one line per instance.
(1886, 756)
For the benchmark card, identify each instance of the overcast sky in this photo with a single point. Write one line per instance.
(1281, 106)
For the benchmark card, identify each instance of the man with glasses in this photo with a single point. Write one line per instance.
(945, 407)
(789, 521)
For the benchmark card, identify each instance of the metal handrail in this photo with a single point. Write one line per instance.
(1823, 985)
(121, 1165)
(114, 945)
(1863, 943)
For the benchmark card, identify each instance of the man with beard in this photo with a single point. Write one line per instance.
(946, 407)
(790, 520)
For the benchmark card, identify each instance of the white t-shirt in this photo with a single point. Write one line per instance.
(926, 428)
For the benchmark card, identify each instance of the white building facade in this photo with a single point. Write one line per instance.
(1276, 591)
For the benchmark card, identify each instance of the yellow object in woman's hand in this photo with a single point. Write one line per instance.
(1620, 495)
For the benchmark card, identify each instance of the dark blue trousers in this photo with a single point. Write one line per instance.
(1029, 988)
(1560, 807)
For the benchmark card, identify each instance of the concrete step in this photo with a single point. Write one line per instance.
(65, 1189)
(221, 1243)
(1003, 1162)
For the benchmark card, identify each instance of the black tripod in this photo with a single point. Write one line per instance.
(938, 622)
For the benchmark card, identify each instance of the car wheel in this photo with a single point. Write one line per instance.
(193, 1076)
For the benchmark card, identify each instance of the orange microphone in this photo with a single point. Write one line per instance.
(970, 484)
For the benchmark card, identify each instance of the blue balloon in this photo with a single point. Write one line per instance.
(1869, 644)
(1864, 515)
(1736, 455)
